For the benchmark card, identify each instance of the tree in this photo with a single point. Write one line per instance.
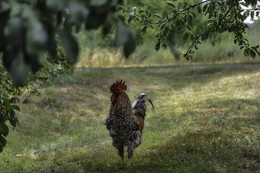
(28, 29)
(221, 16)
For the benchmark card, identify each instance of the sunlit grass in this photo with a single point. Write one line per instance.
(206, 119)
(220, 49)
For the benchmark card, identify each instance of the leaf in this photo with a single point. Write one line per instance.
(4, 129)
(199, 9)
(144, 29)
(205, 7)
(13, 121)
(129, 47)
(158, 15)
(252, 14)
(186, 35)
(2, 141)
(252, 53)
(246, 52)
(170, 3)
(70, 45)
(130, 18)
(246, 14)
(15, 107)
(157, 46)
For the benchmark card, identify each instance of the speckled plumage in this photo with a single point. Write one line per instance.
(123, 126)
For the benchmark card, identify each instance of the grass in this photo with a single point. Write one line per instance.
(206, 119)
(218, 49)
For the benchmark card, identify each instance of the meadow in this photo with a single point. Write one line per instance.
(218, 49)
(206, 119)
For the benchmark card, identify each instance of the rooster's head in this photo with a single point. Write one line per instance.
(117, 89)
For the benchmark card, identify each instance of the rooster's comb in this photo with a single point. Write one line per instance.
(118, 85)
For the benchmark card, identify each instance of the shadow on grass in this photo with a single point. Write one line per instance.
(206, 150)
(202, 151)
(177, 77)
(198, 74)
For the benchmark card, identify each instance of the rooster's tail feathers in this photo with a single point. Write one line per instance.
(139, 107)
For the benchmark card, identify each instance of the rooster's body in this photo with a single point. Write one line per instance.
(125, 122)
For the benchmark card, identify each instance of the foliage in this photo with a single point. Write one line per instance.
(52, 68)
(8, 90)
(222, 16)
(218, 49)
(28, 30)
(7, 113)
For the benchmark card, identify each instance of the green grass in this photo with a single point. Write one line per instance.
(206, 119)
(218, 49)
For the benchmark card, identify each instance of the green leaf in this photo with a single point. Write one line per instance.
(158, 15)
(130, 18)
(157, 46)
(199, 9)
(252, 14)
(144, 29)
(252, 53)
(15, 107)
(246, 52)
(4, 129)
(129, 47)
(2, 141)
(13, 121)
(186, 35)
(170, 3)
(70, 45)
(205, 7)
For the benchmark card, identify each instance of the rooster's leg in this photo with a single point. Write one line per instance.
(129, 162)
(120, 151)
(122, 157)
(130, 150)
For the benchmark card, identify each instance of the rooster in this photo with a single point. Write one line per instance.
(124, 122)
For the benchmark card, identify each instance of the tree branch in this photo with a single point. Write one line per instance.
(188, 8)
(172, 18)
(225, 15)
